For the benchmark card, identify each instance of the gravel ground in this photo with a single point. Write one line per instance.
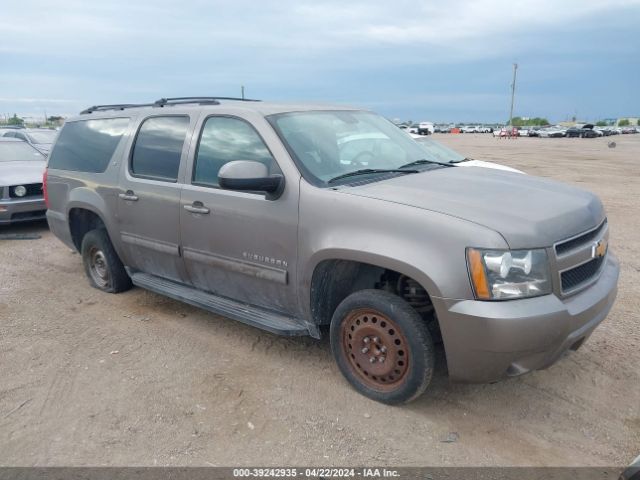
(88, 378)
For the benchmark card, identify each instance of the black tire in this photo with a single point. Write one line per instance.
(396, 333)
(102, 264)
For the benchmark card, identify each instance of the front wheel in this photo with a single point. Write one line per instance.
(382, 346)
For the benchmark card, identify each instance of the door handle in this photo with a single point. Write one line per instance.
(128, 195)
(197, 207)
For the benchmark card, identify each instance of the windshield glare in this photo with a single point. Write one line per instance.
(437, 151)
(18, 152)
(327, 144)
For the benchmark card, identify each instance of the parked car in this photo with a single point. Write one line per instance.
(281, 217)
(628, 130)
(40, 138)
(584, 131)
(523, 131)
(445, 154)
(425, 128)
(21, 169)
(552, 132)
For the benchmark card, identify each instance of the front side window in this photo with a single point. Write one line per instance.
(330, 144)
(158, 148)
(226, 139)
(87, 145)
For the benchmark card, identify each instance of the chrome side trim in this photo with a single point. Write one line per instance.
(263, 272)
(158, 246)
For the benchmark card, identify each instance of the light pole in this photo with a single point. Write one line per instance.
(513, 93)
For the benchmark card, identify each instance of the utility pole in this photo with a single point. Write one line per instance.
(242, 91)
(513, 93)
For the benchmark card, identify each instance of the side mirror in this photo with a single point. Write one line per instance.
(248, 175)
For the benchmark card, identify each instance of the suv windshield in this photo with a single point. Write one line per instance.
(18, 152)
(330, 144)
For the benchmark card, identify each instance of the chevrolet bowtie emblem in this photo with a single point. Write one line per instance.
(599, 249)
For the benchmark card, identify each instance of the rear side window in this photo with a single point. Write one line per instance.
(158, 148)
(87, 145)
(223, 140)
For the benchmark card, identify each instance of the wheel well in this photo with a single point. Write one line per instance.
(82, 221)
(335, 280)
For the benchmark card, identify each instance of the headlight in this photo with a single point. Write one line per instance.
(507, 274)
(20, 191)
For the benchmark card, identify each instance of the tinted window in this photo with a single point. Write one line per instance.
(158, 147)
(224, 140)
(88, 145)
(18, 152)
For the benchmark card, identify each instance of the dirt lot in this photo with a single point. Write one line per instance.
(88, 378)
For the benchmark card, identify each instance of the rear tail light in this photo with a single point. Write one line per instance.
(44, 188)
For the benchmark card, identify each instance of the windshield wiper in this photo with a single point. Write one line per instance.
(365, 171)
(424, 161)
(466, 159)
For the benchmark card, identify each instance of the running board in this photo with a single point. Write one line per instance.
(257, 317)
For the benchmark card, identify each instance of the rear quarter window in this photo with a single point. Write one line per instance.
(87, 145)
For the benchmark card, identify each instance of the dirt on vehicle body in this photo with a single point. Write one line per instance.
(270, 214)
(138, 378)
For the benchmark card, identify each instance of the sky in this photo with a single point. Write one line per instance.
(420, 60)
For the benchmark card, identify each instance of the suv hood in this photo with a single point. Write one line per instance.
(20, 173)
(527, 211)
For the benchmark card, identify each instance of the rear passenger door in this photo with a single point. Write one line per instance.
(239, 244)
(149, 196)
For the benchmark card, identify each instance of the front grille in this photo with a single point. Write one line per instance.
(581, 274)
(569, 245)
(33, 190)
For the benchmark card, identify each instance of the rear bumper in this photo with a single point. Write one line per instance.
(486, 341)
(22, 210)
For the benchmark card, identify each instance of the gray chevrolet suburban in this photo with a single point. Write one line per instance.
(295, 217)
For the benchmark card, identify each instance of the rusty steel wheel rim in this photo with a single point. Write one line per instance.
(376, 349)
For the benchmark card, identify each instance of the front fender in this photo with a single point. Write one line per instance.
(424, 245)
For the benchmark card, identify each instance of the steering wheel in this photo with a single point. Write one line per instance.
(361, 160)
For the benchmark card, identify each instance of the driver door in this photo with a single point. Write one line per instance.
(237, 244)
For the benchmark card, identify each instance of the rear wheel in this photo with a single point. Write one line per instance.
(102, 264)
(382, 346)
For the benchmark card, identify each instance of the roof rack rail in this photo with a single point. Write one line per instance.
(117, 106)
(201, 100)
(164, 101)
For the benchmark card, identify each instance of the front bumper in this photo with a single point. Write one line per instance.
(22, 210)
(486, 341)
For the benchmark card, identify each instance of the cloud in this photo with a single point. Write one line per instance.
(123, 50)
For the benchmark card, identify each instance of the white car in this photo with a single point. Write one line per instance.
(552, 132)
(445, 154)
(425, 128)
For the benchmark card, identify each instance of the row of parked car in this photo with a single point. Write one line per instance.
(427, 128)
(556, 131)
